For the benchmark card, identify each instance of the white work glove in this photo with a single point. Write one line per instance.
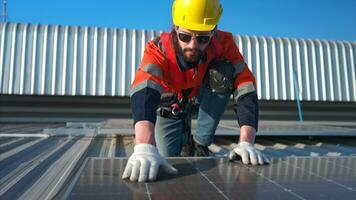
(144, 163)
(248, 154)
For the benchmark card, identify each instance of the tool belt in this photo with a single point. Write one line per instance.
(172, 113)
(171, 107)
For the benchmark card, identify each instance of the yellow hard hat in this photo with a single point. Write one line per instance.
(196, 15)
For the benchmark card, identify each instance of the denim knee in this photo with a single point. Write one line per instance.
(170, 135)
(211, 107)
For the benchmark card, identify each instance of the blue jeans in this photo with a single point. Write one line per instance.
(172, 134)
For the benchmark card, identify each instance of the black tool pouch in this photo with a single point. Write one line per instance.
(220, 76)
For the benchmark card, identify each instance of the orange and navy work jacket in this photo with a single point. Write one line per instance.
(160, 72)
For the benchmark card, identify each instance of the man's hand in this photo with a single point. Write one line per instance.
(144, 163)
(248, 154)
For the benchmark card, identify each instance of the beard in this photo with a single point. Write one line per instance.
(192, 56)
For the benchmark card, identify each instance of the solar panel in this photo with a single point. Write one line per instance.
(217, 178)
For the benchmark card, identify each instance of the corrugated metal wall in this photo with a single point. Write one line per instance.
(69, 60)
(72, 60)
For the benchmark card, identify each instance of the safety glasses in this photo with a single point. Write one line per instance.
(187, 37)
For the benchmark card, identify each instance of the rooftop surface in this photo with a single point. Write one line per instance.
(66, 160)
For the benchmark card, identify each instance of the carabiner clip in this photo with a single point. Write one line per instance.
(175, 111)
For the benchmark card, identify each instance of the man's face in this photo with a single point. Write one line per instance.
(193, 43)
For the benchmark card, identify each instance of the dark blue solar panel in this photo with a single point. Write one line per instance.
(217, 178)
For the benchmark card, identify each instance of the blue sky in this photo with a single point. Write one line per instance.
(314, 19)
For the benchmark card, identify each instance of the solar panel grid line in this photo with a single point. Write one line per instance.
(336, 170)
(277, 184)
(322, 177)
(208, 180)
(351, 171)
(341, 165)
(148, 191)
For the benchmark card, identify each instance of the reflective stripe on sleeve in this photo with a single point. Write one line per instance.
(247, 88)
(148, 83)
(153, 69)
